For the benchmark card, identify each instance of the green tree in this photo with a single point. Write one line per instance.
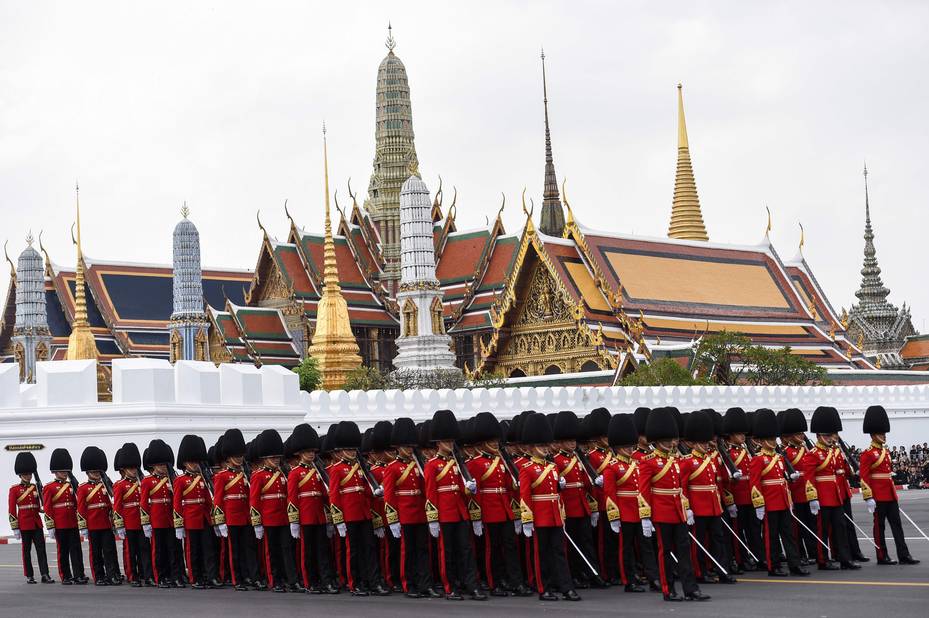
(365, 379)
(495, 379)
(781, 367)
(661, 372)
(310, 377)
(718, 357)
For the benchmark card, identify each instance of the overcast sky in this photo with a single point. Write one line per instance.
(220, 104)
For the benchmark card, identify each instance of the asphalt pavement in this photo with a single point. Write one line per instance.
(872, 591)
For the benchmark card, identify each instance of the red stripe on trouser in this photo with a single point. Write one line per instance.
(488, 567)
(661, 563)
(622, 560)
(90, 548)
(879, 539)
(767, 543)
(306, 571)
(385, 559)
(403, 581)
(61, 573)
(442, 573)
(540, 583)
(270, 572)
(348, 563)
(127, 562)
(819, 547)
(229, 552)
(154, 561)
(190, 566)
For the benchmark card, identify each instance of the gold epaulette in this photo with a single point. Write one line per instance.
(178, 520)
(432, 513)
(391, 513)
(336, 514)
(255, 516)
(757, 498)
(651, 455)
(645, 511)
(293, 514)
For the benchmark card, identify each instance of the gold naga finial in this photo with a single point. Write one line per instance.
(844, 319)
(260, 226)
(802, 237)
(7, 256)
(860, 342)
(437, 201)
(390, 43)
(287, 213)
(185, 211)
(832, 330)
(767, 230)
(564, 197)
(877, 361)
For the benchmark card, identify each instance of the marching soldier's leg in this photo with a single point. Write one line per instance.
(110, 560)
(852, 533)
(684, 570)
(38, 540)
(76, 554)
(879, 532)
(26, 537)
(896, 527)
(665, 539)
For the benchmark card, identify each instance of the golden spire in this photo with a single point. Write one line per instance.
(333, 345)
(686, 220)
(81, 344)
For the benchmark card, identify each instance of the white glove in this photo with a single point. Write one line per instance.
(50, 534)
(84, 534)
(295, 530)
(472, 486)
(599, 480)
(223, 530)
(147, 531)
(871, 505)
(379, 532)
(341, 529)
(794, 475)
(179, 533)
(395, 530)
(594, 518)
(527, 530)
(259, 532)
(814, 507)
(478, 527)
(737, 475)
(121, 533)
(434, 529)
(690, 517)
(17, 535)
(647, 528)
(378, 492)
(759, 513)
(733, 510)
(330, 530)
(561, 482)
(518, 525)
(217, 532)
(614, 526)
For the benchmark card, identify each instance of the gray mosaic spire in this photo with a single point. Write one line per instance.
(188, 323)
(31, 337)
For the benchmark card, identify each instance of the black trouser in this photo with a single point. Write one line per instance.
(200, 553)
(279, 556)
(777, 525)
(70, 556)
(393, 556)
(501, 558)
(362, 566)
(582, 533)
(179, 558)
(165, 560)
(415, 570)
(103, 562)
(806, 542)
(459, 571)
(673, 538)
(710, 532)
(750, 531)
(646, 550)
(240, 549)
(137, 556)
(35, 538)
(831, 528)
(551, 564)
(850, 531)
(884, 512)
(314, 556)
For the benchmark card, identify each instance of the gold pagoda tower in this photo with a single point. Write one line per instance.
(333, 345)
(686, 219)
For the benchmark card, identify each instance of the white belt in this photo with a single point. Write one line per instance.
(494, 490)
(272, 496)
(309, 494)
(448, 488)
(408, 492)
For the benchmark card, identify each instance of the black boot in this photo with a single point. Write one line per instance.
(571, 595)
(697, 596)
(47, 580)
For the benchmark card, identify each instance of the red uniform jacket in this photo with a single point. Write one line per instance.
(60, 505)
(769, 487)
(639, 454)
(496, 490)
(24, 507)
(445, 491)
(875, 468)
(404, 493)
(577, 487)
(93, 507)
(307, 495)
(193, 508)
(157, 502)
(824, 467)
(699, 475)
(801, 490)
(230, 497)
(127, 496)
(740, 489)
(268, 498)
(599, 458)
(349, 493)
(621, 489)
(660, 487)
(539, 501)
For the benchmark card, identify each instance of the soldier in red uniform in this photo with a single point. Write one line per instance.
(739, 504)
(542, 512)
(665, 509)
(25, 517)
(231, 511)
(95, 519)
(157, 515)
(877, 488)
(60, 503)
(379, 455)
(700, 478)
(308, 506)
(405, 509)
(771, 497)
(127, 517)
(582, 510)
(350, 498)
(827, 468)
(594, 430)
(621, 497)
(792, 426)
(447, 511)
(193, 514)
(269, 515)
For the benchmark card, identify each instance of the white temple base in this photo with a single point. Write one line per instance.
(425, 352)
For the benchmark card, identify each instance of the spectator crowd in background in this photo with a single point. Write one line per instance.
(911, 464)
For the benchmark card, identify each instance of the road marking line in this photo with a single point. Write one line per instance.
(836, 582)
